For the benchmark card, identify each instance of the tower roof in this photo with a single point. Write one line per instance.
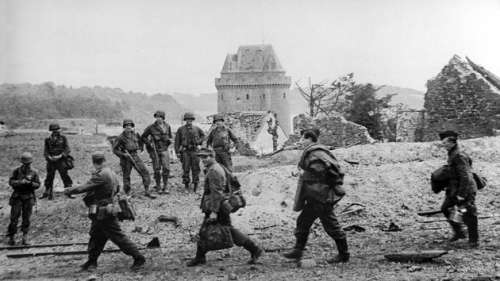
(252, 58)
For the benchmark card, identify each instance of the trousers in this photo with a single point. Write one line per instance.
(138, 165)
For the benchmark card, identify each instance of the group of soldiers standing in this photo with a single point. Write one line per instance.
(319, 186)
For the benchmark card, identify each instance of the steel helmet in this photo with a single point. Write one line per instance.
(159, 113)
(128, 122)
(54, 127)
(218, 117)
(26, 158)
(188, 116)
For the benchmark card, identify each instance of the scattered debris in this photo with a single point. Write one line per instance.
(429, 213)
(417, 256)
(392, 228)
(355, 228)
(173, 219)
(307, 263)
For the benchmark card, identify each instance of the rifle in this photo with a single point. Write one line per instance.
(129, 157)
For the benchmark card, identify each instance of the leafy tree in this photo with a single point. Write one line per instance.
(366, 109)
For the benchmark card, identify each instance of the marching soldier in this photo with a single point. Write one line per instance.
(188, 140)
(215, 192)
(24, 180)
(56, 150)
(461, 190)
(101, 189)
(157, 137)
(318, 190)
(126, 147)
(219, 139)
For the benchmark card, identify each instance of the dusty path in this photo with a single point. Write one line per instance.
(392, 190)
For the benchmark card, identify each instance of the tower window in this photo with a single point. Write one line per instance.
(284, 95)
(248, 97)
(264, 96)
(221, 96)
(238, 98)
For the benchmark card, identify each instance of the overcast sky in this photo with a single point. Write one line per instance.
(179, 46)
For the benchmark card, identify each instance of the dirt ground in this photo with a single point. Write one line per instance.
(391, 181)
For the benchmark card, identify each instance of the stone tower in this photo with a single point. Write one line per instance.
(254, 80)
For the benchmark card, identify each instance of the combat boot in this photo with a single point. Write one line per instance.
(148, 194)
(69, 195)
(89, 265)
(12, 240)
(458, 232)
(255, 251)
(186, 185)
(343, 250)
(139, 262)
(25, 241)
(195, 186)
(198, 259)
(298, 249)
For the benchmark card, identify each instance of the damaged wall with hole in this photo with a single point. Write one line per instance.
(335, 130)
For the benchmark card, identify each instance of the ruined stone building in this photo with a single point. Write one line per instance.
(254, 80)
(464, 97)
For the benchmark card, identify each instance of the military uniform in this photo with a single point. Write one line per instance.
(318, 191)
(215, 192)
(219, 139)
(187, 139)
(126, 147)
(56, 145)
(461, 184)
(101, 190)
(24, 180)
(157, 138)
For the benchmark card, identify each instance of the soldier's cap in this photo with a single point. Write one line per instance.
(205, 152)
(98, 156)
(310, 132)
(447, 134)
(128, 122)
(218, 117)
(188, 116)
(54, 127)
(26, 158)
(159, 113)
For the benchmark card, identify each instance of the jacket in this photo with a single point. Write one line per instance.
(160, 134)
(101, 188)
(188, 137)
(215, 188)
(127, 142)
(322, 177)
(220, 137)
(461, 179)
(24, 181)
(56, 145)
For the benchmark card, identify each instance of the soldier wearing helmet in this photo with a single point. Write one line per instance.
(126, 147)
(158, 137)
(220, 140)
(188, 140)
(56, 152)
(24, 180)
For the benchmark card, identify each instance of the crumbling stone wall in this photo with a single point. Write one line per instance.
(461, 99)
(335, 130)
(409, 125)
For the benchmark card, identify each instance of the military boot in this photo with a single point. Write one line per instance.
(458, 232)
(25, 241)
(195, 186)
(164, 189)
(12, 240)
(198, 259)
(186, 185)
(342, 248)
(255, 251)
(89, 265)
(148, 194)
(158, 183)
(139, 262)
(298, 249)
(69, 195)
